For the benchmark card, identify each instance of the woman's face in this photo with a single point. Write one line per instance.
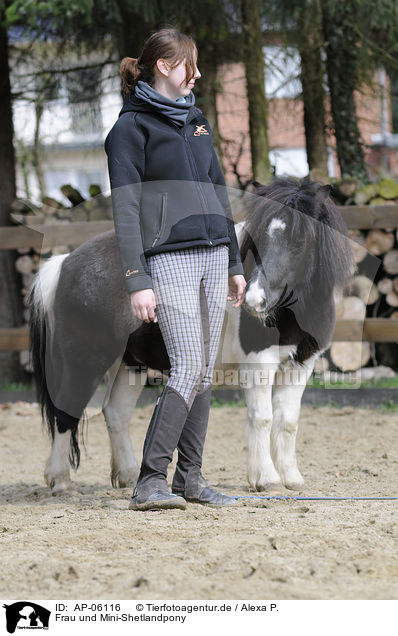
(173, 80)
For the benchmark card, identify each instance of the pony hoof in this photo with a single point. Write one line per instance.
(58, 484)
(60, 487)
(268, 487)
(294, 485)
(125, 479)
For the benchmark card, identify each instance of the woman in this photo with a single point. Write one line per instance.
(178, 251)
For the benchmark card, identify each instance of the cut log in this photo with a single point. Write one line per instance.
(50, 206)
(346, 187)
(366, 193)
(388, 189)
(321, 365)
(338, 300)
(358, 245)
(22, 207)
(385, 285)
(45, 251)
(27, 219)
(364, 288)
(24, 264)
(65, 213)
(98, 214)
(379, 242)
(79, 214)
(72, 194)
(395, 284)
(353, 308)
(339, 308)
(390, 262)
(392, 299)
(94, 190)
(50, 219)
(25, 359)
(378, 201)
(60, 249)
(27, 279)
(350, 356)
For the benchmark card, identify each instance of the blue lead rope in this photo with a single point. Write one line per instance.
(297, 498)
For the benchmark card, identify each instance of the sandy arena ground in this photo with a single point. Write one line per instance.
(88, 545)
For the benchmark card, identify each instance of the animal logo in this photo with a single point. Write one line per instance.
(26, 615)
(130, 273)
(200, 130)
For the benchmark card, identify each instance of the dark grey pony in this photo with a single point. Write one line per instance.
(295, 253)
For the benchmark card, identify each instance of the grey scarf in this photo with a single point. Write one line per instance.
(176, 110)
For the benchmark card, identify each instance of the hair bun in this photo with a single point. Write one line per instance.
(130, 73)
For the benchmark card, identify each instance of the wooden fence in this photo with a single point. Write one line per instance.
(47, 236)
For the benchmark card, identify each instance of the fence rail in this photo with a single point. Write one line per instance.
(369, 330)
(40, 236)
(360, 217)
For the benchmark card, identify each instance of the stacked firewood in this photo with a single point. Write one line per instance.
(51, 212)
(371, 293)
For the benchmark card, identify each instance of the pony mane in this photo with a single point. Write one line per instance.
(313, 216)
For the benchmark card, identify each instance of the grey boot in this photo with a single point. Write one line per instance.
(156, 499)
(164, 431)
(192, 439)
(188, 480)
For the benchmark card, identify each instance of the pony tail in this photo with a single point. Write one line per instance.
(130, 74)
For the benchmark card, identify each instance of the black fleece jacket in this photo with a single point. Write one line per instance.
(168, 190)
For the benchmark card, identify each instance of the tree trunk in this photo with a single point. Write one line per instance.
(393, 76)
(206, 95)
(132, 31)
(10, 280)
(36, 151)
(310, 47)
(340, 20)
(258, 110)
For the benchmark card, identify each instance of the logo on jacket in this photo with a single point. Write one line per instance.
(130, 273)
(200, 130)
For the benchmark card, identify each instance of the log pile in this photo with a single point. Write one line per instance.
(96, 208)
(366, 296)
(374, 295)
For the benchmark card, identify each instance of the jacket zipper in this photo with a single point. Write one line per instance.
(162, 218)
(194, 169)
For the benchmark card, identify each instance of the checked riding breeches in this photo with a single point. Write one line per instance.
(190, 287)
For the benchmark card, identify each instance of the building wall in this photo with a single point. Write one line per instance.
(285, 127)
(74, 153)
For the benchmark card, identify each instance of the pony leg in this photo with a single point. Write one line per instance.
(261, 472)
(118, 411)
(290, 383)
(56, 473)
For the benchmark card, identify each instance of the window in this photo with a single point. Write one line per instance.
(84, 95)
(282, 72)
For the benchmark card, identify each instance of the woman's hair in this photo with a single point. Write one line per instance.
(168, 44)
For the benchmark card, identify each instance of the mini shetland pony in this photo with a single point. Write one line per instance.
(295, 253)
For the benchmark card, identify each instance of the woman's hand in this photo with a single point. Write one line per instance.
(143, 304)
(237, 287)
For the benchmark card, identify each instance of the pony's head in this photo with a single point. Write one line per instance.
(294, 245)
